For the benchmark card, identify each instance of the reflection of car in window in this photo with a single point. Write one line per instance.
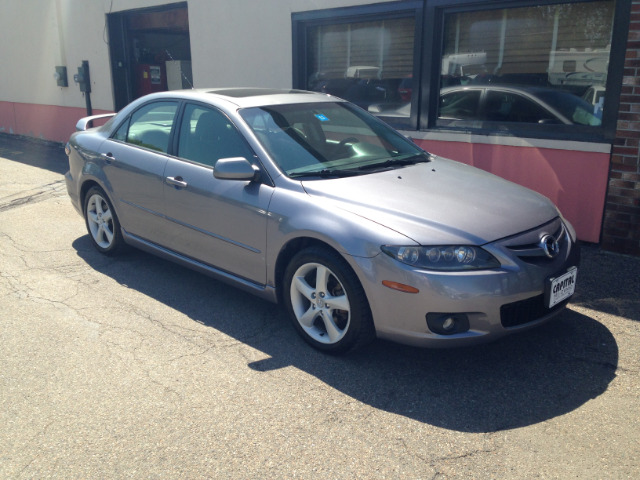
(503, 103)
(364, 86)
(496, 103)
(462, 104)
(406, 89)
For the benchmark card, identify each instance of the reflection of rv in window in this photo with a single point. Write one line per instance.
(464, 64)
(579, 68)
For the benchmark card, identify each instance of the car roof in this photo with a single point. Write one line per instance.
(247, 97)
(525, 89)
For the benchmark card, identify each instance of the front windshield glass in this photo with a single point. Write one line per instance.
(328, 139)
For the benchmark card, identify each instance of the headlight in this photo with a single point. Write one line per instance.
(445, 257)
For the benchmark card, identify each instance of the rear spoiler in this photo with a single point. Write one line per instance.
(87, 122)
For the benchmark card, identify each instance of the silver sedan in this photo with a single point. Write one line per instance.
(304, 199)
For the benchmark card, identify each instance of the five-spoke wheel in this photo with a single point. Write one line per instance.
(102, 222)
(326, 302)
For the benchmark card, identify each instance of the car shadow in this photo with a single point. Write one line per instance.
(521, 380)
(34, 152)
(609, 283)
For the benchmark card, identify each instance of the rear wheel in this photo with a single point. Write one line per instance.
(326, 302)
(102, 222)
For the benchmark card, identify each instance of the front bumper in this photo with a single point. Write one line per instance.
(495, 302)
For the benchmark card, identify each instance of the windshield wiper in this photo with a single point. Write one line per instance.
(397, 162)
(351, 172)
(327, 173)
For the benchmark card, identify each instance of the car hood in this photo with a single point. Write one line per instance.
(440, 202)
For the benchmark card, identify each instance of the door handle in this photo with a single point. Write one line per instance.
(177, 182)
(108, 157)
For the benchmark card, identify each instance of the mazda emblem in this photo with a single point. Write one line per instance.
(550, 245)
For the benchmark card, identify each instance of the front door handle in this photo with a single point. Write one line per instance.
(177, 182)
(108, 157)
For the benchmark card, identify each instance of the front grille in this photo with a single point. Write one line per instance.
(533, 253)
(526, 311)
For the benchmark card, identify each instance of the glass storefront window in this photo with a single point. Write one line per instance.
(367, 63)
(543, 64)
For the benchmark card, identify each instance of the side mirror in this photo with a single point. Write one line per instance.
(236, 168)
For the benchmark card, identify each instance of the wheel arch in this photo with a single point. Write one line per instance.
(290, 249)
(362, 329)
(86, 186)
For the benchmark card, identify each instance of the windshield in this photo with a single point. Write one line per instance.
(329, 139)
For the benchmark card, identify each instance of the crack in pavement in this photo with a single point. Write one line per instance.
(53, 189)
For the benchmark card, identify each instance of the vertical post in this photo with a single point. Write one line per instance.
(87, 92)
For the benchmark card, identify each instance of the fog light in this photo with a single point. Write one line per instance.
(448, 323)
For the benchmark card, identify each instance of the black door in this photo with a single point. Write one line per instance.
(120, 63)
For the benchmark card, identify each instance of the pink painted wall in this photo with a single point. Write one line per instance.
(48, 122)
(575, 181)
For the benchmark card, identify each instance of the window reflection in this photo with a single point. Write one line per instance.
(542, 64)
(367, 63)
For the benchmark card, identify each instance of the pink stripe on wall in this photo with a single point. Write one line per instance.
(48, 122)
(575, 181)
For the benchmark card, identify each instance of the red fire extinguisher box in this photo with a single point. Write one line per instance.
(150, 78)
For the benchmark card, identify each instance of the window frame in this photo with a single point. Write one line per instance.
(434, 16)
(428, 48)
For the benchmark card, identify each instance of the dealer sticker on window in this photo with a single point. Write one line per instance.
(562, 287)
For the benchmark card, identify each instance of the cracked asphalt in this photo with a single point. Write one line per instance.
(132, 367)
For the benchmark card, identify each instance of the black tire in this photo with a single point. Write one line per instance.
(314, 305)
(102, 222)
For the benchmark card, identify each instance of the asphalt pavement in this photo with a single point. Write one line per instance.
(133, 367)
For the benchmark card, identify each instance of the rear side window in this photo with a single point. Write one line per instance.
(149, 126)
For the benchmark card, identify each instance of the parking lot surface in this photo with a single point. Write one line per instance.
(133, 367)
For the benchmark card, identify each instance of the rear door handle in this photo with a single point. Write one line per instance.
(177, 182)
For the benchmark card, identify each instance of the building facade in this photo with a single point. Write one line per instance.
(545, 93)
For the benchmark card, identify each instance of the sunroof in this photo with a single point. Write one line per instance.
(252, 92)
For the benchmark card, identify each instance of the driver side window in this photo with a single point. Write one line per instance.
(207, 135)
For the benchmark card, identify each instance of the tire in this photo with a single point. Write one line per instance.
(326, 302)
(102, 222)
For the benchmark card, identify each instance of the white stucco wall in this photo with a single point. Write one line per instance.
(247, 42)
(233, 42)
(37, 35)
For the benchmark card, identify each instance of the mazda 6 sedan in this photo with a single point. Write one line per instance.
(305, 199)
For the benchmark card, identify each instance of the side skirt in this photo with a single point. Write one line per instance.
(265, 292)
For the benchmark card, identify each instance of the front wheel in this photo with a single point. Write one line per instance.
(326, 302)
(102, 222)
